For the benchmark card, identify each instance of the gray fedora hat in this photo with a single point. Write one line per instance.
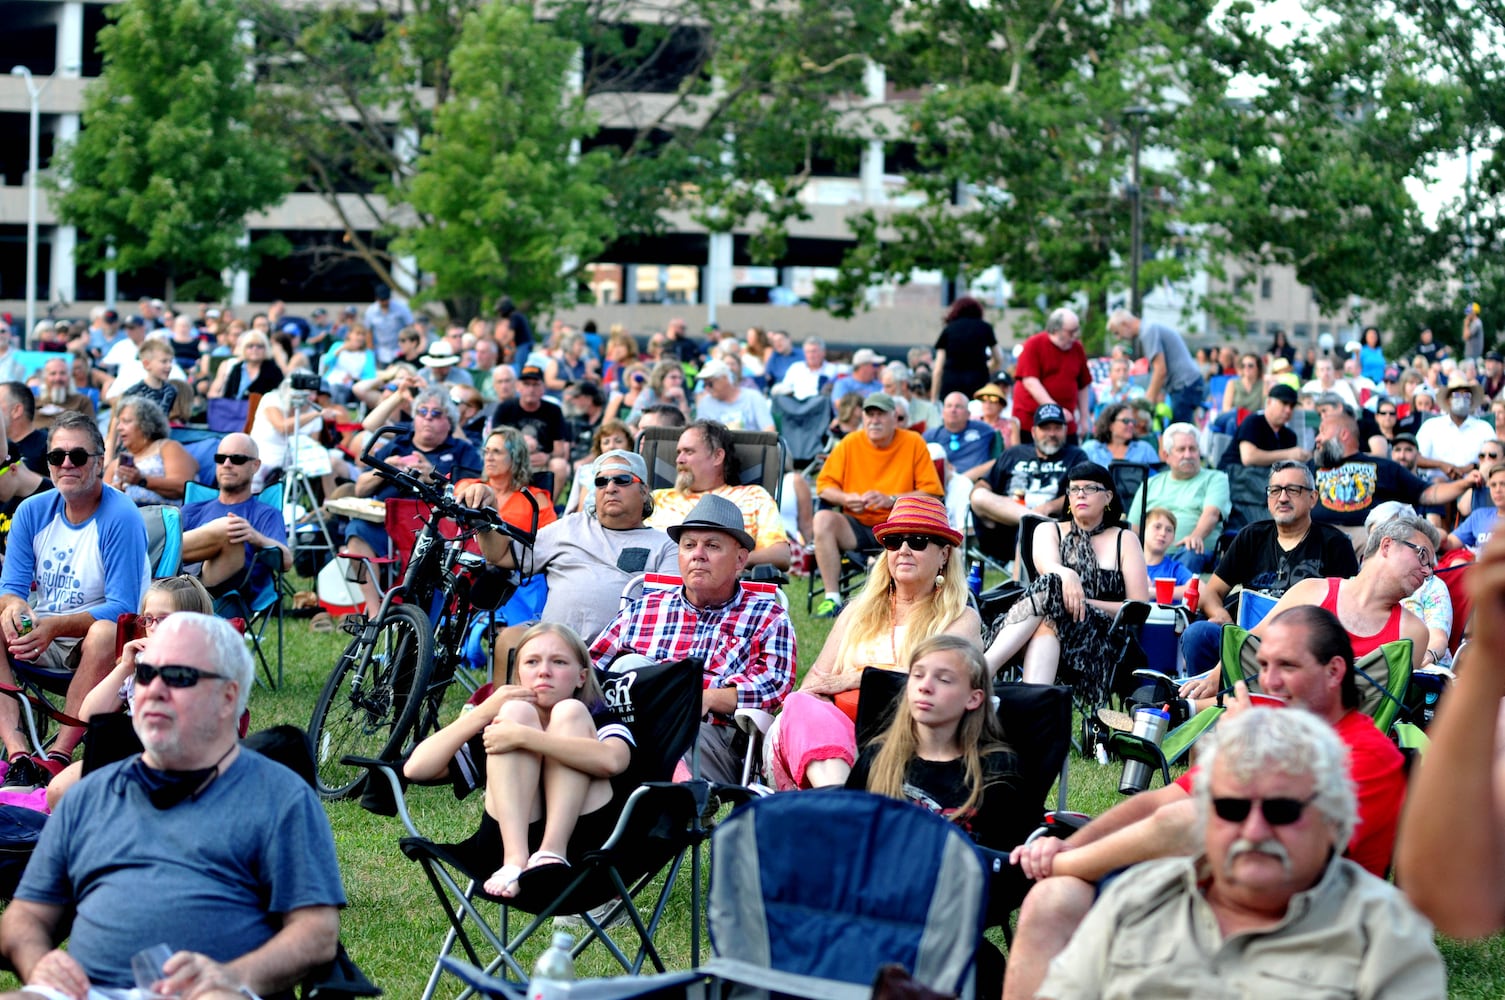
(718, 514)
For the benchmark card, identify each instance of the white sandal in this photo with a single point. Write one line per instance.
(546, 859)
(500, 880)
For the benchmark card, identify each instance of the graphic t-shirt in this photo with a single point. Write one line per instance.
(1477, 529)
(1347, 492)
(1256, 561)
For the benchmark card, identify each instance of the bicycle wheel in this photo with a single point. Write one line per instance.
(364, 709)
(448, 660)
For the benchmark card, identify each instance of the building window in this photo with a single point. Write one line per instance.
(1301, 331)
(1266, 288)
(1251, 328)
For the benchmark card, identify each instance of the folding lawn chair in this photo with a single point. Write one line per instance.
(258, 605)
(883, 882)
(662, 822)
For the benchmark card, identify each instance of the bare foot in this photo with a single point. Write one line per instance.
(503, 882)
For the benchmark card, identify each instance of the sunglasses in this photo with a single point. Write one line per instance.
(432, 414)
(1489, 454)
(220, 458)
(916, 543)
(173, 675)
(76, 456)
(620, 479)
(1277, 812)
(1384, 413)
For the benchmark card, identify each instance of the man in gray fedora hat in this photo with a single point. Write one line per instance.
(743, 637)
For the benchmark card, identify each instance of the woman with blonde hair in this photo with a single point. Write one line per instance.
(917, 590)
(253, 373)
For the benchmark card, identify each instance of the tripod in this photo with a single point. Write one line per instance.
(296, 489)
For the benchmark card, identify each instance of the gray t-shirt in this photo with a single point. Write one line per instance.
(211, 874)
(587, 565)
(1180, 367)
(749, 412)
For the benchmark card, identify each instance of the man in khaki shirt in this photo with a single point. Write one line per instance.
(1269, 909)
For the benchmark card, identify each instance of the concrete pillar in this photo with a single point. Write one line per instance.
(64, 283)
(716, 286)
(70, 39)
(630, 284)
(111, 292)
(875, 84)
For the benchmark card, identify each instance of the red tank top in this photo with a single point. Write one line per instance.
(1362, 644)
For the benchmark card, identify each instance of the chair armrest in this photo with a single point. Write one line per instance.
(753, 719)
(384, 770)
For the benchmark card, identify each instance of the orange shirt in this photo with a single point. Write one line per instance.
(856, 466)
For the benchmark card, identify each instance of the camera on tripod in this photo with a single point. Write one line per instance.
(305, 382)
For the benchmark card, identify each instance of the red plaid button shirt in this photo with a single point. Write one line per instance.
(747, 643)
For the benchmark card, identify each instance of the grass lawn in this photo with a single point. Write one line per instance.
(393, 925)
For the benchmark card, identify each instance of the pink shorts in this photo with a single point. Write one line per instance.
(810, 729)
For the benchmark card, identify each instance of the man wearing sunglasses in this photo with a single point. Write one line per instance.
(223, 534)
(198, 843)
(1306, 658)
(1266, 909)
(75, 561)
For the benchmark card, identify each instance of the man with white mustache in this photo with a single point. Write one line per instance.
(57, 395)
(1267, 908)
(1306, 660)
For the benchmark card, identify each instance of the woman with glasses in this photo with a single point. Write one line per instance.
(253, 373)
(666, 384)
(143, 461)
(1116, 438)
(1086, 573)
(107, 740)
(505, 468)
(917, 590)
(1247, 391)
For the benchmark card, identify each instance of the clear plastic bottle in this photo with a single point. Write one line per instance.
(555, 966)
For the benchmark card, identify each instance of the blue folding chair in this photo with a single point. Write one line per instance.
(256, 602)
(886, 881)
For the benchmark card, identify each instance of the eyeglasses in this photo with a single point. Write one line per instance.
(220, 459)
(1427, 559)
(1294, 492)
(619, 479)
(1086, 491)
(1126, 420)
(431, 413)
(150, 621)
(916, 543)
(173, 675)
(76, 456)
(1277, 812)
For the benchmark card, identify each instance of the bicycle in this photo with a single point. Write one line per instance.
(387, 688)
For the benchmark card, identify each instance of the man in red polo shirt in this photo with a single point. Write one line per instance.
(1305, 657)
(1052, 368)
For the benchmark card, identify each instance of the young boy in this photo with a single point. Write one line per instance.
(156, 357)
(1159, 533)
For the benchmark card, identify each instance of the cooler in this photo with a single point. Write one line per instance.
(1161, 639)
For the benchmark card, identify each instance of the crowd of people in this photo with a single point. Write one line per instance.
(1331, 485)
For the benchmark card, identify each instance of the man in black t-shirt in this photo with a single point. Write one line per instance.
(1264, 437)
(1270, 556)
(531, 413)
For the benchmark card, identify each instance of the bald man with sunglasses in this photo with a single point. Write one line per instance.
(221, 536)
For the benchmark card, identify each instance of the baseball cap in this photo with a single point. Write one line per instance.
(1493, 356)
(1392, 373)
(1407, 438)
(111, 316)
(530, 373)
(866, 357)
(715, 368)
(134, 321)
(1049, 413)
(1281, 391)
(879, 401)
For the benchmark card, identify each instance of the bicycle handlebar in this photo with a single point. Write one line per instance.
(440, 497)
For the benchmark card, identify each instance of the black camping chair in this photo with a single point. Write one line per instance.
(1128, 478)
(661, 823)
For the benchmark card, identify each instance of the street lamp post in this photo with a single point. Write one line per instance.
(35, 93)
(1137, 115)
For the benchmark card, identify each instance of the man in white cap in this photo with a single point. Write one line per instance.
(743, 637)
(736, 406)
(863, 378)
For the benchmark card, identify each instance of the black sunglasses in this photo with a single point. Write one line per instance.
(220, 459)
(173, 675)
(77, 456)
(1277, 812)
(621, 479)
(917, 543)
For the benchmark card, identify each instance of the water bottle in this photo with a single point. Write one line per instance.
(974, 579)
(554, 968)
(1149, 724)
(1191, 595)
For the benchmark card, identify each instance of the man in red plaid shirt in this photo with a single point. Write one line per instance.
(745, 639)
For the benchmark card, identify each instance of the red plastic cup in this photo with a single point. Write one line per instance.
(1266, 701)
(1165, 590)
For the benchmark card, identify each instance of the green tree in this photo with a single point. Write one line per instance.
(507, 203)
(167, 168)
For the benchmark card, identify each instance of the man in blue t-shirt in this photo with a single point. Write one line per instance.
(74, 562)
(198, 843)
(223, 534)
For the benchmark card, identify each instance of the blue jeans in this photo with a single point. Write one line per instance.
(1201, 646)
(1197, 562)
(1185, 400)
